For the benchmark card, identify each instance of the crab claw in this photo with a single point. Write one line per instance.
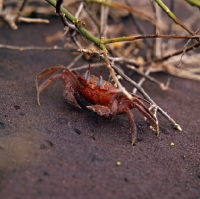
(87, 74)
(100, 80)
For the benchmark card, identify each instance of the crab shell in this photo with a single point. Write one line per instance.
(105, 98)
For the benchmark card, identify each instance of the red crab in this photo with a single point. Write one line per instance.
(105, 98)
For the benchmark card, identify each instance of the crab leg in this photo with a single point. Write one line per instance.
(101, 110)
(132, 126)
(49, 71)
(145, 111)
(46, 73)
(69, 95)
(138, 97)
(45, 84)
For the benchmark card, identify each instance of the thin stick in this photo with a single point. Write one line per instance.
(30, 20)
(77, 23)
(112, 72)
(173, 17)
(104, 17)
(80, 8)
(92, 16)
(133, 38)
(91, 65)
(172, 9)
(116, 5)
(141, 90)
(178, 52)
(139, 27)
(194, 3)
(142, 80)
(185, 47)
(146, 76)
(22, 48)
(74, 61)
(157, 52)
(20, 9)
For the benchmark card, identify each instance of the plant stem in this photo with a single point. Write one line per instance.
(86, 34)
(178, 52)
(133, 38)
(120, 6)
(172, 16)
(194, 2)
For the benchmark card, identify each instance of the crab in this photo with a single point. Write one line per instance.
(105, 98)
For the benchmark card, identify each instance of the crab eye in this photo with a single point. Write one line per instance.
(99, 82)
(87, 73)
(86, 76)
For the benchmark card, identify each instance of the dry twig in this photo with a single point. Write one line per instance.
(12, 15)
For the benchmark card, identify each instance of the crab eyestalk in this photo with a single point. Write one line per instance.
(100, 80)
(87, 74)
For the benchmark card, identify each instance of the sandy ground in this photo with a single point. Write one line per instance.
(57, 151)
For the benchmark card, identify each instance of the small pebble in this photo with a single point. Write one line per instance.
(118, 163)
(172, 144)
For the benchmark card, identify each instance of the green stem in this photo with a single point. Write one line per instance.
(101, 42)
(117, 5)
(69, 16)
(194, 2)
(133, 38)
(172, 16)
(86, 34)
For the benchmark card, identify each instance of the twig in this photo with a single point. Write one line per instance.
(126, 60)
(86, 66)
(185, 47)
(20, 10)
(85, 33)
(146, 76)
(74, 61)
(142, 80)
(92, 16)
(172, 9)
(11, 18)
(116, 5)
(112, 72)
(78, 12)
(139, 26)
(169, 68)
(178, 52)
(157, 42)
(173, 17)
(22, 48)
(141, 90)
(194, 3)
(30, 20)
(103, 19)
(133, 38)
